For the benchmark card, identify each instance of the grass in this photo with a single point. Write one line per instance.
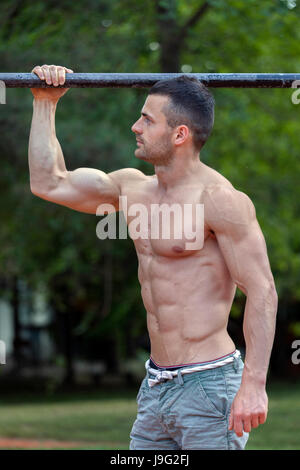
(103, 419)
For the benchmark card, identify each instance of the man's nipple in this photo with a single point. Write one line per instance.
(177, 249)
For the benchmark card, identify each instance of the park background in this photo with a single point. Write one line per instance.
(71, 313)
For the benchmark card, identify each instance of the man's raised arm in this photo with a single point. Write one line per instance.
(83, 189)
(231, 215)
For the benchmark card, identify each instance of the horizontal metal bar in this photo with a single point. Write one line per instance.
(146, 80)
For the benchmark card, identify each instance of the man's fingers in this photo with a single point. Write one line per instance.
(235, 423)
(255, 421)
(262, 418)
(247, 424)
(238, 426)
(61, 75)
(47, 74)
(52, 74)
(39, 72)
(241, 423)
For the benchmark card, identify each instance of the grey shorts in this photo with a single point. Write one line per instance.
(191, 413)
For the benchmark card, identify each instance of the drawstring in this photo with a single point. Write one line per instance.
(163, 375)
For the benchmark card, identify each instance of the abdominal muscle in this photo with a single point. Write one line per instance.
(188, 301)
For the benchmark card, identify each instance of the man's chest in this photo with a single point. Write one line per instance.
(170, 225)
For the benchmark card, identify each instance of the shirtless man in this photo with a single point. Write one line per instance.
(187, 294)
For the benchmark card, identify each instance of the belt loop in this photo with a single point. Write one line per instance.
(180, 379)
(236, 364)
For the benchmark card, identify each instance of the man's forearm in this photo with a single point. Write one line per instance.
(259, 331)
(46, 162)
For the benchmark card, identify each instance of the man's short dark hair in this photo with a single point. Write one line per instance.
(191, 104)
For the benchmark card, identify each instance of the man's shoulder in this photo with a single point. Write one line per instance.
(127, 176)
(224, 192)
(223, 203)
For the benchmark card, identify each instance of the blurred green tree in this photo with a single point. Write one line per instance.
(92, 285)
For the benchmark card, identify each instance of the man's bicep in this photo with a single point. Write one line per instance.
(83, 190)
(93, 191)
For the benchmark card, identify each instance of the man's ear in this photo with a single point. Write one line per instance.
(182, 133)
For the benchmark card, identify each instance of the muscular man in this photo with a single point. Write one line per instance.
(198, 393)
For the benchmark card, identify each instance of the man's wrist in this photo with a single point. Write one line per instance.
(254, 376)
(36, 101)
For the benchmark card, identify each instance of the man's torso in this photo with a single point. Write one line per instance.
(187, 293)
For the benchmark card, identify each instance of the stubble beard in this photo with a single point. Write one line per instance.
(159, 154)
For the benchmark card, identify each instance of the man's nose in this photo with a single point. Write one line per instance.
(136, 128)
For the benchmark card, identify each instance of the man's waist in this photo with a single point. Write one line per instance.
(155, 365)
(163, 374)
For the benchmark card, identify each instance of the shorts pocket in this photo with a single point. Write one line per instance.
(142, 389)
(213, 391)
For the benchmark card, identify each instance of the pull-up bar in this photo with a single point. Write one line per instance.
(146, 80)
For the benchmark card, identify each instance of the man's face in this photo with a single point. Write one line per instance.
(152, 132)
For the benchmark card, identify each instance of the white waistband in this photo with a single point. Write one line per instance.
(162, 375)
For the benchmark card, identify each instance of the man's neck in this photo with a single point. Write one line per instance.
(177, 172)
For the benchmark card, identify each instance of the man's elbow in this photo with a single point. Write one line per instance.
(37, 191)
(44, 186)
(34, 190)
(269, 295)
(263, 293)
